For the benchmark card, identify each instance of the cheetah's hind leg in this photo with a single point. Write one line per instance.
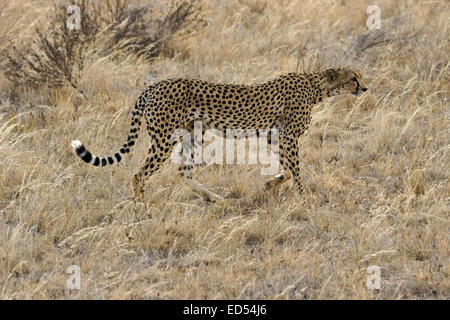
(138, 190)
(186, 167)
(185, 173)
(157, 155)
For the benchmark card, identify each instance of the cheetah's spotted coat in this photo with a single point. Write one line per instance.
(284, 103)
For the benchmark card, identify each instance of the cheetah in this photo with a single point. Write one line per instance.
(283, 103)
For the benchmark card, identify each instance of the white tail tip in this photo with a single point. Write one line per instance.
(76, 144)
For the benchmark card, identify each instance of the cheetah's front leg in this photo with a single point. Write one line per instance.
(289, 159)
(278, 179)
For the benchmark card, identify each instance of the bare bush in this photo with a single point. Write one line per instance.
(396, 31)
(55, 58)
(111, 28)
(146, 33)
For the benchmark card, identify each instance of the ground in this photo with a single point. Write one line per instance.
(375, 169)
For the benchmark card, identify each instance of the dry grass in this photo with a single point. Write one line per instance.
(375, 168)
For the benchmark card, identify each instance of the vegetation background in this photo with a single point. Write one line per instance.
(375, 167)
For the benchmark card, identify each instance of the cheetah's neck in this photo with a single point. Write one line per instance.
(318, 83)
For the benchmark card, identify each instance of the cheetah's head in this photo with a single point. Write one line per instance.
(344, 80)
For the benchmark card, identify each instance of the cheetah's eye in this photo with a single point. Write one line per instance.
(354, 79)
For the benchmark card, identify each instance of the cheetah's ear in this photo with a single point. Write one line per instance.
(331, 74)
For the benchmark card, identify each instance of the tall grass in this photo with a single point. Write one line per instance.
(375, 168)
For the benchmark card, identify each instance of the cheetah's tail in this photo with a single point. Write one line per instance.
(88, 157)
